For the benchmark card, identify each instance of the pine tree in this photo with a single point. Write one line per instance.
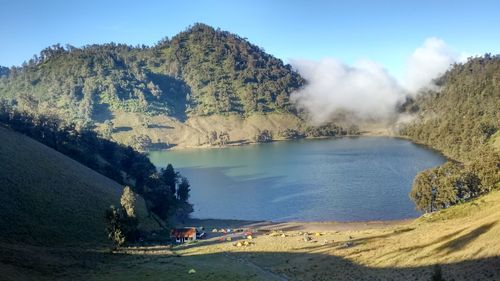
(183, 190)
(169, 177)
(114, 228)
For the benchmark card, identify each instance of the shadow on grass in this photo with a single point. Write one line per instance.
(158, 126)
(462, 241)
(160, 146)
(122, 129)
(73, 264)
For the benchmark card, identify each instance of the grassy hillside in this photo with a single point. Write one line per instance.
(48, 198)
(193, 132)
(464, 241)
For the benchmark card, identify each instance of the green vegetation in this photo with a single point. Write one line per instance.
(330, 129)
(117, 223)
(133, 95)
(4, 71)
(49, 199)
(128, 201)
(226, 73)
(122, 223)
(461, 120)
(200, 71)
(120, 163)
(465, 247)
(263, 136)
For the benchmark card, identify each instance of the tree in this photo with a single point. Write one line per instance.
(183, 190)
(128, 201)
(169, 177)
(423, 192)
(140, 142)
(223, 138)
(444, 186)
(114, 227)
(212, 137)
(108, 129)
(121, 228)
(487, 170)
(160, 202)
(263, 136)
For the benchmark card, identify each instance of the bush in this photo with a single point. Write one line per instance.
(444, 186)
(121, 228)
(263, 136)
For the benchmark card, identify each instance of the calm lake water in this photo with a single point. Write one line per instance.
(342, 179)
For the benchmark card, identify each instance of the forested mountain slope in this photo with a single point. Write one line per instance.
(461, 119)
(463, 116)
(200, 71)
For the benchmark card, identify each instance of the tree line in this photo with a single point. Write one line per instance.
(165, 191)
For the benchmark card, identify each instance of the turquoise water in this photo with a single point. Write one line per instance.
(341, 179)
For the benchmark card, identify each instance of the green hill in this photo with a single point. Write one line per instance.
(463, 116)
(201, 71)
(225, 72)
(48, 198)
(462, 120)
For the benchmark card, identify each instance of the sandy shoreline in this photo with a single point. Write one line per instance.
(321, 226)
(248, 142)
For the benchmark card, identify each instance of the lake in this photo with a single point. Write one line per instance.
(339, 179)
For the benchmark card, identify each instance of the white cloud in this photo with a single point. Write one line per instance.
(426, 63)
(366, 88)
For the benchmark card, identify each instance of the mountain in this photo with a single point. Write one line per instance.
(201, 71)
(226, 73)
(462, 120)
(463, 116)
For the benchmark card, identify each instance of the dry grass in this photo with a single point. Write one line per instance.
(193, 132)
(170, 132)
(463, 241)
(495, 141)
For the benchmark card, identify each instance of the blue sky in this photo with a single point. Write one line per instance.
(383, 31)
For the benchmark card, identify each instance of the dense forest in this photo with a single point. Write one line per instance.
(200, 71)
(462, 120)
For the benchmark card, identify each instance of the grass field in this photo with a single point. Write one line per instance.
(49, 199)
(52, 228)
(462, 240)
